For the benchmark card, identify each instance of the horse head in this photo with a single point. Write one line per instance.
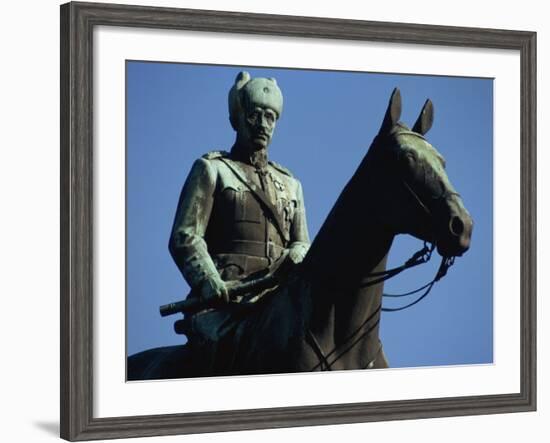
(420, 198)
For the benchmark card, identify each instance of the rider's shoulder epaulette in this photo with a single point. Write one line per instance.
(280, 168)
(215, 154)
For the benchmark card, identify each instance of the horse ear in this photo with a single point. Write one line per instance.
(393, 112)
(425, 119)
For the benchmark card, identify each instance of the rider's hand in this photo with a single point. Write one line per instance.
(296, 255)
(214, 288)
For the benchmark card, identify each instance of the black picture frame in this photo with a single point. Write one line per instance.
(77, 23)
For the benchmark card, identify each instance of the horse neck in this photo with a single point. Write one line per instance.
(353, 240)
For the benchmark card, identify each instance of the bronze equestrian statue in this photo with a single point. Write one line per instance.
(262, 300)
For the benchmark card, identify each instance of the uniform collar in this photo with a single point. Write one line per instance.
(257, 159)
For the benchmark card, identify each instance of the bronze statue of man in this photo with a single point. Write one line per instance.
(237, 214)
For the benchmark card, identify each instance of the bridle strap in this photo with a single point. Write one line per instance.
(419, 257)
(324, 359)
(416, 197)
(446, 263)
(422, 256)
(325, 365)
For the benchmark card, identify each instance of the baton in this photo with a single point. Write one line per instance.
(195, 304)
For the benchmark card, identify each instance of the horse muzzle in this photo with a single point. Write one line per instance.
(455, 237)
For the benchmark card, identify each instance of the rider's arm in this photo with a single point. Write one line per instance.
(299, 236)
(187, 244)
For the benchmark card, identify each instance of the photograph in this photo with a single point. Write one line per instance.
(274, 220)
(283, 220)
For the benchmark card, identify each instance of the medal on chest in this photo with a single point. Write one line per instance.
(279, 185)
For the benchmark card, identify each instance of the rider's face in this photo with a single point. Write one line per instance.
(256, 126)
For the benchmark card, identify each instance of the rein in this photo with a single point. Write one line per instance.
(446, 263)
(419, 257)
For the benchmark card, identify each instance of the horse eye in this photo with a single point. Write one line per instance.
(439, 190)
(408, 160)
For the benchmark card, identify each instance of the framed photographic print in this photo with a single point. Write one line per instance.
(330, 204)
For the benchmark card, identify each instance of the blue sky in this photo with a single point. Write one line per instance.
(177, 112)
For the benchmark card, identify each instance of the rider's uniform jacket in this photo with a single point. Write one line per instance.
(233, 219)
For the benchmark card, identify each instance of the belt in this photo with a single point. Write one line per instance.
(253, 248)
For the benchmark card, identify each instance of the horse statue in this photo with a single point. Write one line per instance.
(325, 314)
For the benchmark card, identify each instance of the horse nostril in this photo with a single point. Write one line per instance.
(456, 226)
